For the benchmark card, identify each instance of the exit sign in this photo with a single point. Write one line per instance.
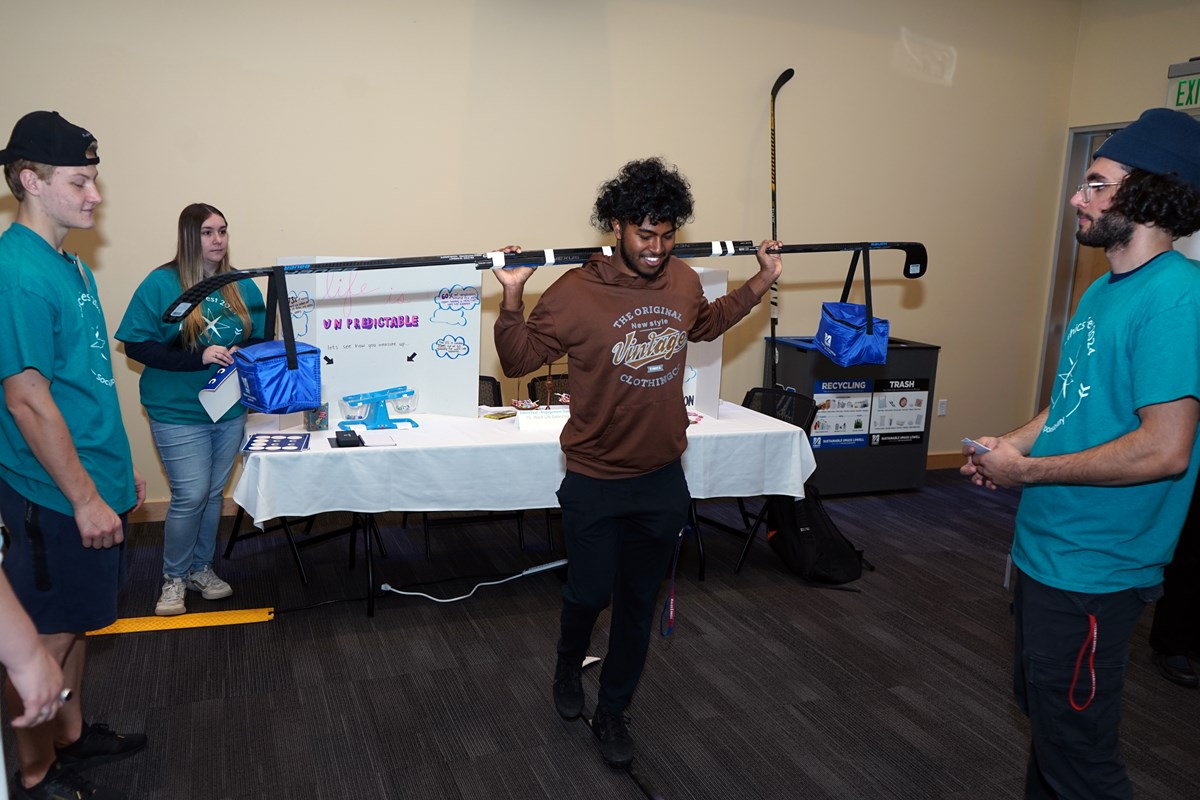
(1183, 86)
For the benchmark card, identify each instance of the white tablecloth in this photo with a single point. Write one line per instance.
(462, 464)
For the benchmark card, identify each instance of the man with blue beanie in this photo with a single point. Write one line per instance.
(1109, 467)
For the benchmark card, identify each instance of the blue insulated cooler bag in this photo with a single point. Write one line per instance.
(848, 334)
(269, 386)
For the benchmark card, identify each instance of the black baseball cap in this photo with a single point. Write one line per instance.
(44, 137)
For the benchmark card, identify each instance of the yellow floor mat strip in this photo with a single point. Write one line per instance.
(205, 619)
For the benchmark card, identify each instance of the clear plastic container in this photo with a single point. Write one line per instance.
(402, 401)
(353, 407)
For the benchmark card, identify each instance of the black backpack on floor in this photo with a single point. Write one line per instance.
(802, 534)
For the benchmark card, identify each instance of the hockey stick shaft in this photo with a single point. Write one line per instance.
(915, 263)
(783, 78)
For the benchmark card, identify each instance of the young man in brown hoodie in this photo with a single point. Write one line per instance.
(623, 320)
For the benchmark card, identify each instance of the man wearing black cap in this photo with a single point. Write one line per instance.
(1108, 468)
(66, 476)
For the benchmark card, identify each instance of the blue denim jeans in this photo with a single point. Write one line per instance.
(198, 460)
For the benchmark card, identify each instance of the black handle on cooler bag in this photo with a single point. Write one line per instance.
(277, 299)
(866, 257)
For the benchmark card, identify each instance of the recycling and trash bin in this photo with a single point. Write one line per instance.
(871, 432)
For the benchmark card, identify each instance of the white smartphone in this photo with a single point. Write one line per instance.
(979, 448)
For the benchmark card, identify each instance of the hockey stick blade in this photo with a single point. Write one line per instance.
(916, 259)
(783, 78)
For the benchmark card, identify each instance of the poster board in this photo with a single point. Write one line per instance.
(702, 375)
(379, 329)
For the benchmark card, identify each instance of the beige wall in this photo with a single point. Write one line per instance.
(399, 128)
(1125, 47)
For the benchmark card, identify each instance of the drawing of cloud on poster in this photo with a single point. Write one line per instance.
(379, 329)
(451, 347)
(302, 306)
(454, 304)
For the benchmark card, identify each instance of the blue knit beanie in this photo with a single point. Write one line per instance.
(1161, 141)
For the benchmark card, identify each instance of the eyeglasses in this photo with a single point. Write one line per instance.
(1087, 187)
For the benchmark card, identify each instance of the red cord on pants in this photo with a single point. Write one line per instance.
(1092, 636)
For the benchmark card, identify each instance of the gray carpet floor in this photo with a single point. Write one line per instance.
(765, 689)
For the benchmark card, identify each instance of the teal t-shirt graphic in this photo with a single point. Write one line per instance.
(170, 396)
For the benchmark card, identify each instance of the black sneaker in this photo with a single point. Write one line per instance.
(616, 745)
(99, 744)
(1177, 669)
(61, 783)
(568, 689)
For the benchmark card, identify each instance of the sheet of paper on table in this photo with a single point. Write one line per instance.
(381, 438)
(275, 443)
(497, 412)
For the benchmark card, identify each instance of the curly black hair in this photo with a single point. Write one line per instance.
(1163, 201)
(644, 189)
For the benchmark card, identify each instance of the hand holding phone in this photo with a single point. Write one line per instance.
(980, 449)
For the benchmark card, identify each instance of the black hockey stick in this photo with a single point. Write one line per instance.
(783, 78)
(915, 263)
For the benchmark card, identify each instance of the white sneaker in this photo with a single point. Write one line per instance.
(208, 584)
(170, 602)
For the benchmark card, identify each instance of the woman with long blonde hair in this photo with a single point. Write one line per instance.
(197, 451)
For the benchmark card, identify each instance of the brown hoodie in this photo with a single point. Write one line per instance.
(626, 344)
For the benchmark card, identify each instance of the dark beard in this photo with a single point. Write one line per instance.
(1110, 231)
(636, 265)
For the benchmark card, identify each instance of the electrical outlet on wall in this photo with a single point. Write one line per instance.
(942, 408)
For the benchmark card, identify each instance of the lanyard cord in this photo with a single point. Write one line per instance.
(1092, 636)
(666, 619)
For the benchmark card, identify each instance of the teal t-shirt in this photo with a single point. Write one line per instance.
(173, 397)
(51, 321)
(1132, 343)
